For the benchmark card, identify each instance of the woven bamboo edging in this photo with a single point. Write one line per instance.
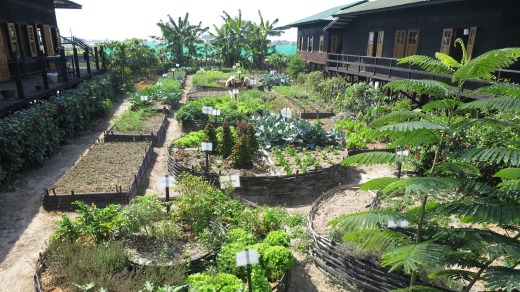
(272, 189)
(53, 201)
(365, 273)
(157, 137)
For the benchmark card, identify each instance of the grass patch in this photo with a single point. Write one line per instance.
(290, 91)
(133, 121)
(212, 78)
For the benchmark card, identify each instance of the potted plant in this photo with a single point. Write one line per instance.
(38, 83)
(7, 93)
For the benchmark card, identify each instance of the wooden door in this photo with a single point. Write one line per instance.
(49, 47)
(4, 66)
(471, 41)
(447, 36)
(333, 44)
(32, 41)
(412, 41)
(11, 32)
(380, 38)
(370, 47)
(399, 43)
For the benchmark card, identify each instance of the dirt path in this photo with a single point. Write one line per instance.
(25, 226)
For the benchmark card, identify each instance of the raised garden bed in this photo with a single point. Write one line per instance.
(108, 173)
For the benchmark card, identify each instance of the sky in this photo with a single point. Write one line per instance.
(124, 19)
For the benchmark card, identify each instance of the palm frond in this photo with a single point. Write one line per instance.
(411, 126)
(453, 274)
(498, 89)
(415, 256)
(508, 173)
(419, 137)
(370, 158)
(375, 239)
(427, 63)
(488, 210)
(483, 121)
(483, 66)
(396, 117)
(502, 278)
(456, 168)
(510, 157)
(498, 103)
(441, 104)
(447, 60)
(423, 86)
(365, 220)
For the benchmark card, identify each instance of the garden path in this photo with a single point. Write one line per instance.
(25, 226)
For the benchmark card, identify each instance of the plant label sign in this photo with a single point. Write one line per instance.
(234, 179)
(403, 152)
(286, 112)
(247, 257)
(166, 181)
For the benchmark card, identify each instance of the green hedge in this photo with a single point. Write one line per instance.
(30, 136)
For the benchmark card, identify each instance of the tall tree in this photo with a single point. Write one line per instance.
(258, 43)
(180, 36)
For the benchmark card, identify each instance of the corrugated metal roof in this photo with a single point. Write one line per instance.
(383, 4)
(67, 4)
(326, 15)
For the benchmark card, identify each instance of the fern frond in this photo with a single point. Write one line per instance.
(509, 157)
(432, 186)
(472, 187)
(498, 89)
(414, 257)
(453, 274)
(427, 63)
(498, 103)
(378, 183)
(423, 86)
(397, 117)
(411, 126)
(488, 210)
(441, 104)
(502, 278)
(497, 244)
(460, 42)
(508, 173)
(466, 258)
(511, 188)
(483, 121)
(365, 220)
(370, 158)
(375, 239)
(458, 169)
(419, 137)
(483, 66)
(447, 60)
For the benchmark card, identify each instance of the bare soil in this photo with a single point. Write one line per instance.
(25, 225)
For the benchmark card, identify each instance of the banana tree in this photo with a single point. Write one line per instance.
(453, 205)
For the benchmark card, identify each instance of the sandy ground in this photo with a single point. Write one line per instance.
(25, 226)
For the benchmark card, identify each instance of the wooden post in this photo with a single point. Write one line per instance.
(96, 57)
(43, 71)
(76, 62)
(87, 60)
(17, 76)
(63, 61)
(167, 194)
(103, 63)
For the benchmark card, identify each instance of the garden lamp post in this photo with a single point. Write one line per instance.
(207, 147)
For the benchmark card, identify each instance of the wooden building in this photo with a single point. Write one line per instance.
(313, 41)
(27, 27)
(366, 39)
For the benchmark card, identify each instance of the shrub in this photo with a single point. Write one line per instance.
(273, 79)
(211, 136)
(242, 156)
(227, 141)
(278, 237)
(141, 214)
(295, 65)
(276, 260)
(358, 98)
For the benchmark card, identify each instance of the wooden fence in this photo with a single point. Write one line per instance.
(316, 115)
(273, 189)
(53, 201)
